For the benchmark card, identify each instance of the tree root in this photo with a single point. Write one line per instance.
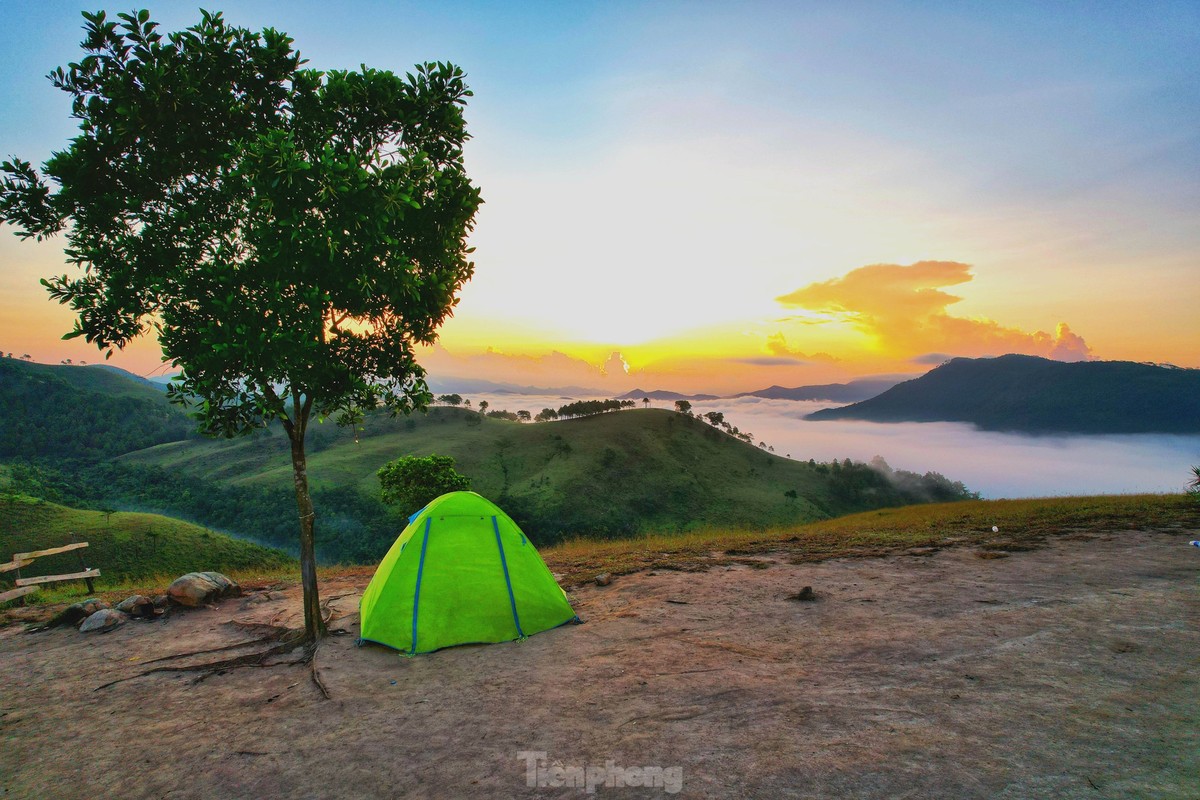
(286, 640)
(316, 674)
(236, 646)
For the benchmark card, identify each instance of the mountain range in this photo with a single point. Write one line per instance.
(1027, 394)
(851, 392)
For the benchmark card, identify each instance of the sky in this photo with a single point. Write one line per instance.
(717, 197)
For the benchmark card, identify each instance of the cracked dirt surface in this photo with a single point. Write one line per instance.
(1072, 671)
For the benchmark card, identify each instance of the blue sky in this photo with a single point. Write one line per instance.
(676, 167)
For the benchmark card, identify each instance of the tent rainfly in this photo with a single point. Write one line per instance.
(461, 572)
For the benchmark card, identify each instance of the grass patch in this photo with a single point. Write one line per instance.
(1022, 524)
(130, 549)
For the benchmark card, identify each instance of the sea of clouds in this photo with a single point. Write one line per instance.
(994, 464)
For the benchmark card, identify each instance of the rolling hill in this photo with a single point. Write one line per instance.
(1027, 394)
(99, 439)
(92, 412)
(123, 545)
(605, 475)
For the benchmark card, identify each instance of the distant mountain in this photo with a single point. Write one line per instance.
(57, 411)
(850, 392)
(660, 394)
(1035, 395)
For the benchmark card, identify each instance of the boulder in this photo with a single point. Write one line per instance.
(138, 605)
(103, 620)
(199, 588)
(74, 614)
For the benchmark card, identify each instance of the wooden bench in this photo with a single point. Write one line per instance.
(27, 585)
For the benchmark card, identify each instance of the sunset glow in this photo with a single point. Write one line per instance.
(698, 198)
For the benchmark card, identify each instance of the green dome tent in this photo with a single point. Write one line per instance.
(461, 572)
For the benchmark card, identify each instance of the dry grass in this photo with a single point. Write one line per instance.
(1022, 525)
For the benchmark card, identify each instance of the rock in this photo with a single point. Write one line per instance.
(200, 588)
(103, 620)
(603, 579)
(74, 614)
(162, 601)
(804, 594)
(138, 606)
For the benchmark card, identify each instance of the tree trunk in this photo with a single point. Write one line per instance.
(314, 625)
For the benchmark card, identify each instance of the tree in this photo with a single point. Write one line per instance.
(412, 483)
(683, 406)
(545, 415)
(289, 235)
(451, 399)
(715, 418)
(483, 407)
(523, 415)
(645, 402)
(1193, 486)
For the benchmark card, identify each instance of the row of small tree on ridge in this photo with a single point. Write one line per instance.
(586, 408)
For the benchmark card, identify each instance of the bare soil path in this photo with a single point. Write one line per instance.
(1072, 671)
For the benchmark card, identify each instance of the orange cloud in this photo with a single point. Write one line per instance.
(777, 345)
(904, 309)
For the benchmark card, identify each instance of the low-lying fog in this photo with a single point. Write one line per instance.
(994, 464)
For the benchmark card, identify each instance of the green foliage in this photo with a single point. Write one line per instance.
(583, 408)
(123, 545)
(289, 234)
(56, 412)
(412, 482)
(1193, 486)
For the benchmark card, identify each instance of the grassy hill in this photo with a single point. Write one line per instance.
(92, 412)
(601, 476)
(124, 546)
(1036, 395)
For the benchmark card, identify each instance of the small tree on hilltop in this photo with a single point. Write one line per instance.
(683, 406)
(412, 482)
(289, 235)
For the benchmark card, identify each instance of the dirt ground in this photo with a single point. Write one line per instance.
(1071, 671)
